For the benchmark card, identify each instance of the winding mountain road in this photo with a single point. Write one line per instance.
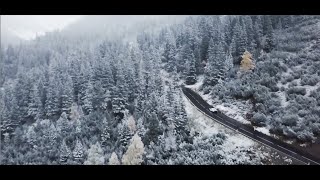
(248, 131)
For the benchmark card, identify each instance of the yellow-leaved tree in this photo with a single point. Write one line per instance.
(246, 62)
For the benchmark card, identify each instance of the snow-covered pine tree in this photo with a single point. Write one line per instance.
(53, 135)
(88, 98)
(31, 136)
(131, 124)
(99, 96)
(74, 112)
(141, 131)
(257, 27)
(22, 92)
(215, 70)
(34, 104)
(169, 52)
(270, 41)
(153, 129)
(95, 155)
(181, 122)
(78, 127)
(120, 92)
(135, 151)
(78, 151)
(52, 101)
(114, 160)
(67, 95)
(124, 134)
(105, 135)
(205, 34)
(65, 152)
(242, 41)
(189, 58)
(63, 125)
(229, 62)
(6, 139)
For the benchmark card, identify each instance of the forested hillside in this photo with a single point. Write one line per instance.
(76, 101)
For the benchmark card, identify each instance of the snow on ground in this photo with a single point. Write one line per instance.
(287, 160)
(166, 78)
(237, 149)
(282, 96)
(236, 141)
(289, 142)
(233, 111)
(303, 145)
(311, 88)
(199, 122)
(206, 126)
(197, 85)
(264, 130)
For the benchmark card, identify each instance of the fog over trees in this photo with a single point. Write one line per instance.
(95, 92)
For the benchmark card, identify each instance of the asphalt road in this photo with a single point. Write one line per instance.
(248, 131)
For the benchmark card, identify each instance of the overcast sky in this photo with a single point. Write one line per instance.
(28, 26)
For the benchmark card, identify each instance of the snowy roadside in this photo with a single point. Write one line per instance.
(236, 148)
(236, 110)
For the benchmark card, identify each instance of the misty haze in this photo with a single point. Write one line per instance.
(160, 90)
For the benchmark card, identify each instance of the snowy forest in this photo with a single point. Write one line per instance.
(98, 99)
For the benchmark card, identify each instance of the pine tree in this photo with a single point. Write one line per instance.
(53, 135)
(88, 98)
(63, 125)
(42, 93)
(205, 34)
(270, 41)
(65, 152)
(246, 63)
(98, 97)
(31, 136)
(287, 21)
(95, 155)
(78, 127)
(34, 104)
(120, 92)
(242, 41)
(258, 31)
(279, 24)
(141, 131)
(153, 127)
(9, 117)
(75, 113)
(229, 62)
(169, 52)
(105, 136)
(131, 124)
(190, 66)
(67, 95)
(114, 159)
(216, 64)
(6, 139)
(78, 151)
(233, 47)
(52, 100)
(124, 134)
(181, 116)
(249, 29)
(22, 92)
(135, 151)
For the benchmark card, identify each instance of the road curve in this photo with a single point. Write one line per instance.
(248, 131)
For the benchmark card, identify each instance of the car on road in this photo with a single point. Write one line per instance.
(214, 110)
